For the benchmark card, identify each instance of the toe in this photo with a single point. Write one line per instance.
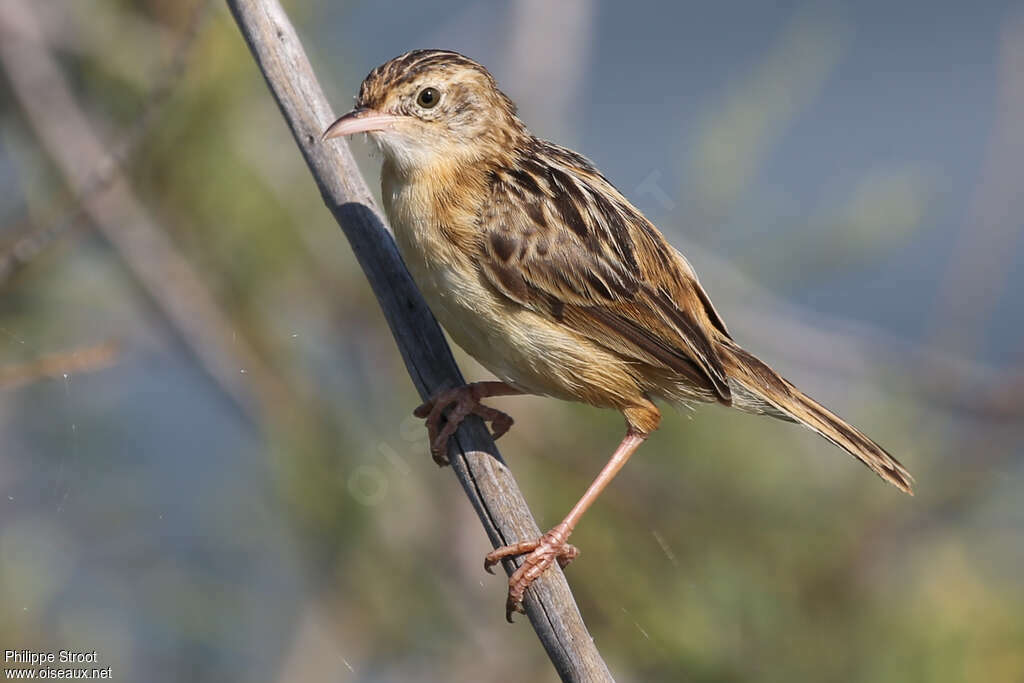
(542, 554)
(511, 550)
(500, 425)
(511, 606)
(567, 554)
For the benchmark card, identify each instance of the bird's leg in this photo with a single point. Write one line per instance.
(464, 401)
(552, 545)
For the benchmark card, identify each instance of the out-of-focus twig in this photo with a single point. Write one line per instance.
(64, 131)
(34, 242)
(61, 364)
(984, 251)
(989, 442)
(475, 461)
(548, 46)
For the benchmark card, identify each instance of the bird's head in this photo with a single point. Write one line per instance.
(431, 106)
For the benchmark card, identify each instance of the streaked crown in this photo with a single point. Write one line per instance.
(461, 93)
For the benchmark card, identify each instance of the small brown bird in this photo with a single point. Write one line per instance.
(545, 273)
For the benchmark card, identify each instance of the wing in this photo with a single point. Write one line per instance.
(559, 239)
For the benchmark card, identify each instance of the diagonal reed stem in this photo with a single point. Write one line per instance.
(486, 480)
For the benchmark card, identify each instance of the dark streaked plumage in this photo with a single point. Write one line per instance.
(544, 272)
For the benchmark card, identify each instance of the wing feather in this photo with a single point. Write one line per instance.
(557, 238)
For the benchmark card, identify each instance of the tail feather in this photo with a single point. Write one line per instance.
(772, 395)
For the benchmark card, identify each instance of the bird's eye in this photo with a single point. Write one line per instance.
(428, 98)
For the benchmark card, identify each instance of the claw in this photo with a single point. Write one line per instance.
(464, 401)
(540, 554)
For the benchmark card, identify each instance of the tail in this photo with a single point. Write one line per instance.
(762, 390)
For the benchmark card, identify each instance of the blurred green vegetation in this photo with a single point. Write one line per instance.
(145, 515)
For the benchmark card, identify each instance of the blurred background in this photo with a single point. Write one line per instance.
(208, 468)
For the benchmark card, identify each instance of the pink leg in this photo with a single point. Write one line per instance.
(464, 401)
(552, 545)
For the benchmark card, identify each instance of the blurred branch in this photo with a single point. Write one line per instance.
(58, 365)
(30, 245)
(475, 460)
(547, 52)
(984, 252)
(64, 131)
(34, 240)
(736, 135)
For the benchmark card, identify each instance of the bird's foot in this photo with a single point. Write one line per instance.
(540, 554)
(464, 401)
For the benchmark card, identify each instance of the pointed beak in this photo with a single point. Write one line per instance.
(359, 120)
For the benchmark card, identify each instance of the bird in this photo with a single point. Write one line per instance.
(541, 270)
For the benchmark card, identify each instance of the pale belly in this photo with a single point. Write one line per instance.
(522, 348)
(518, 346)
